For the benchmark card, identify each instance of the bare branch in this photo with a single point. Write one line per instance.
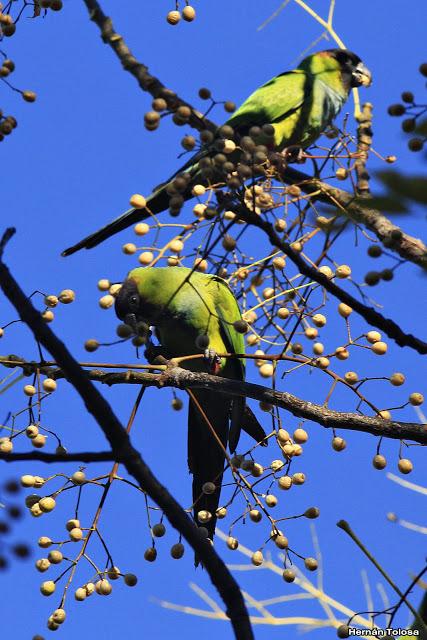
(123, 451)
(183, 379)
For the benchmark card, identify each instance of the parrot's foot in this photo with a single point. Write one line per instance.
(213, 360)
(294, 154)
(156, 354)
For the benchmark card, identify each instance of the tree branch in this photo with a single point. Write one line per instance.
(183, 379)
(368, 313)
(123, 451)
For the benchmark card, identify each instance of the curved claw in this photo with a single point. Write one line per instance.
(212, 360)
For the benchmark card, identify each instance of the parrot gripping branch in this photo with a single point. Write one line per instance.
(123, 450)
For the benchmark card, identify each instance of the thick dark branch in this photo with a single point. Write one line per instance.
(184, 379)
(140, 72)
(409, 248)
(368, 313)
(123, 450)
(85, 456)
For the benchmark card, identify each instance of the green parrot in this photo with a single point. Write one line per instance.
(298, 105)
(190, 312)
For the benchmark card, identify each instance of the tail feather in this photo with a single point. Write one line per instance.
(252, 427)
(205, 456)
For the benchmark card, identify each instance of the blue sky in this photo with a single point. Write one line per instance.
(76, 156)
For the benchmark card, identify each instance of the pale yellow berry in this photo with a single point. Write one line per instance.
(6, 445)
(380, 348)
(49, 385)
(311, 333)
(416, 399)
(288, 450)
(55, 556)
(268, 293)
(276, 465)
(80, 594)
(229, 215)
(106, 302)
(270, 500)
(280, 541)
(204, 516)
(67, 296)
(51, 301)
(342, 353)
(137, 201)
(78, 477)
(76, 534)
(379, 462)
(1, 332)
(351, 377)
(44, 542)
(188, 13)
(103, 587)
(327, 271)
(104, 284)
(255, 515)
(146, 257)
(344, 310)
(266, 370)
(280, 224)
(338, 444)
(229, 146)
(38, 482)
(30, 390)
(341, 173)
(47, 588)
(48, 316)
(141, 229)
(35, 510)
(311, 564)
(384, 414)
(373, 336)
(283, 436)
(59, 616)
(322, 362)
(257, 558)
(113, 573)
(257, 470)
(39, 441)
(296, 246)
(298, 478)
(300, 436)
(27, 481)
(176, 246)
(198, 190)
(51, 625)
(129, 248)
(252, 339)
(397, 379)
(221, 513)
(72, 523)
(283, 313)
(89, 588)
(318, 348)
(42, 564)
(199, 210)
(114, 289)
(285, 482)
(173, 261)
(319, 319)
(297, 450)
(232, 543)
(47, 504)
(405, 466)
(173, 17)
(201, 265)
(279, 263)
(289, 575)
(343, 271)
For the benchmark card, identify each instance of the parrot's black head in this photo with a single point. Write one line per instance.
(128, 303)
(352, 68)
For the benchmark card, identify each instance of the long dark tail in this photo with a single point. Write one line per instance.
(157, 202)
(205, 456)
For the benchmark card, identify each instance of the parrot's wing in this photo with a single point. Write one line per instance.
(274, 101)
(228, 312)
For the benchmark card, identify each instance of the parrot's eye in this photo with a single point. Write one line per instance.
(134, 302)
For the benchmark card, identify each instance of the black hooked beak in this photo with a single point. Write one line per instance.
(361, 76)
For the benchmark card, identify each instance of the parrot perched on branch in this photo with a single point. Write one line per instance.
(297, 106)
(193, 312)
